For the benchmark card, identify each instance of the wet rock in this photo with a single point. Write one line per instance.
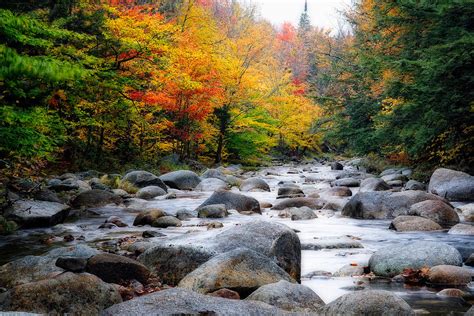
(122, 193)
(383, 204)
(299, 213)
(368, 302)
(214, 174)
(288, 296)
(391, 260)
(452, 185)
(152, 234)
(391, 171)
(214, 225)
(95, 198)
(185, 214)
(239, 202)
(437, 211)
(314, 204)
(265, 205)
(289, 192)
(150, 192)
(346, 182)
(349, 271)
(166, 221)
(451, 293)
(117, 269)
(181, 179)
(70, 184)
(148, 217)
(406, 223)
(394, 177)
(242, 270)
(415, 185)
(331, 243)
(72, 264)
(254, 185)
(143, 179)
(179, 301)
(373, 184)
(117, 221)
(336, 166)
(462, 229)
(449, 275)
(226, 293)
(211, 185)
(47, 195)
(67, 293)
(467, 212)
(172, 259)
(337, 191)
(213, 211)
(31, 213)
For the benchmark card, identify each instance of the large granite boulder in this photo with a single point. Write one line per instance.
(117, 269)
(150, 192)
(174, 258)
(241, 270)
(314, 204)
(211, 185)
(452, 185)
(436, 210)
(384, 205)
(462, 229)
(404, 223)
(392, 260)
(34, 268)
(180, 301)
(143, 179)
(67, 293)
(30, 213)
(254, 184)
(181, 179)
(288, 296)
(368, 302)
(95, 198)
(239, 202)
(373, 184)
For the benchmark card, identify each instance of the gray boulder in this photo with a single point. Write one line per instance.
(235, 201)
(314, 204)
(415, 185)
(166, 221)
(288, 296)
(181, 179)
(391, 260)
(180, 301)
(143, 179)
(390, 171)
(373, 184)
(174, 258)
(150, 192)
(213, 174)
(211, 185)
(289, 192)
(213, 211)
(349, 271)
(34, 268)
(394, 177)
(148, 217)
(95, 198)
(298, 213)
(449, 275)
(405, 223)
(452, 185)
(437, 211)
(31, 213)
(336, 166)
(462, 229)
(241, 270)
(368, 302)
(254, 184)
(346, 182)
(383, 204)
(117, 269)
(67, 293)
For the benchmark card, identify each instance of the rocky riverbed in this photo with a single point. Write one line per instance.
(311, 238)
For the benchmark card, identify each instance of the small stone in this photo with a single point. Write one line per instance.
(152, 234)
(72, 264)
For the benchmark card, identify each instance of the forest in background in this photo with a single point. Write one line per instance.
(110, 84)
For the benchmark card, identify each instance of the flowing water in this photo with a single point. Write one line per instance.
(372, 234)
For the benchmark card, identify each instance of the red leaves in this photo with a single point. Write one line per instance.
(287, 33)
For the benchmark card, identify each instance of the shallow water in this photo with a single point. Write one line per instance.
(372, 234)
